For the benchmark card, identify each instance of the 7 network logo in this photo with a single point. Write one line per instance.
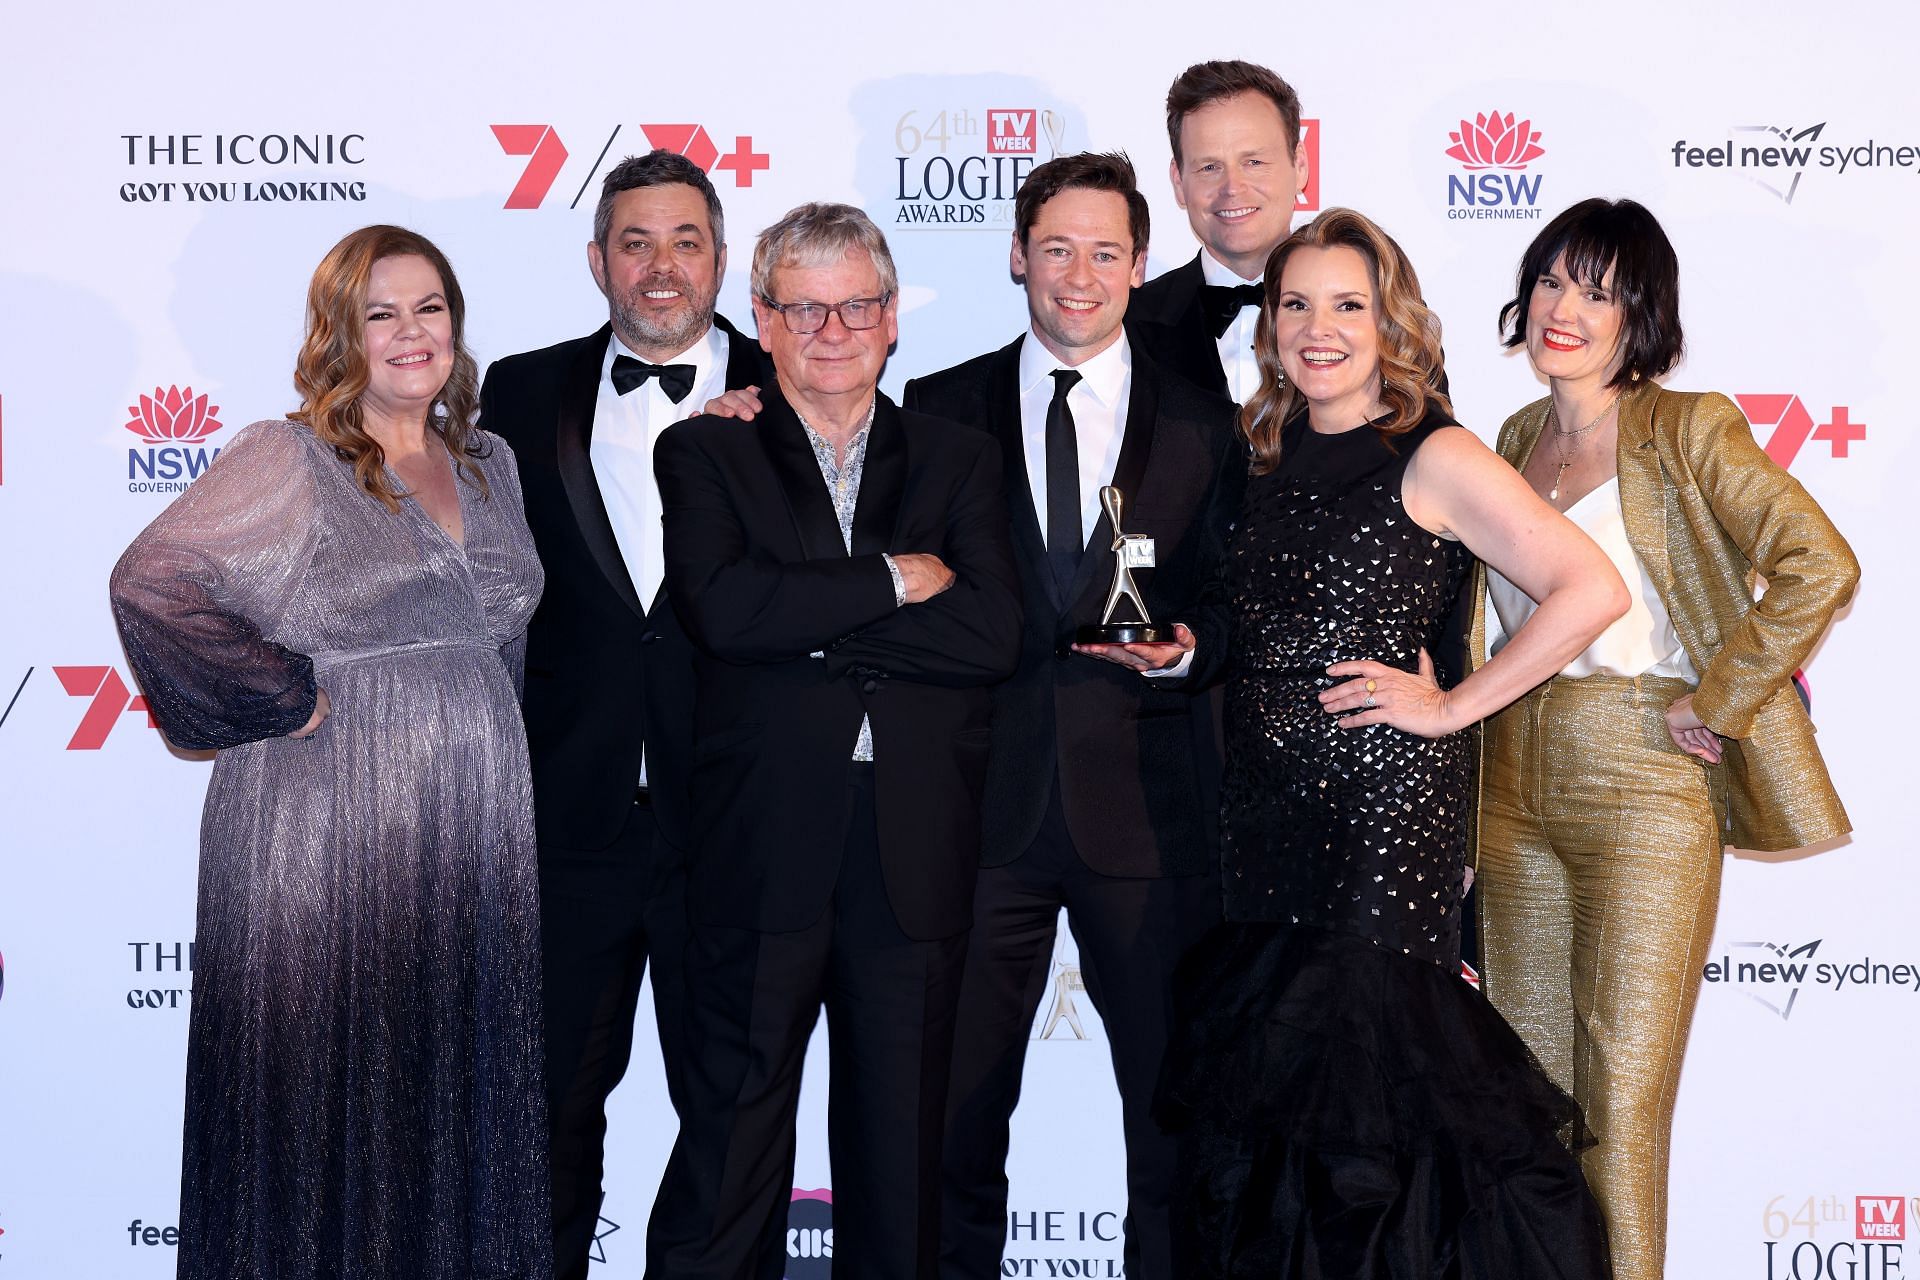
(1793, 426)
(108, 698)
(547, 156)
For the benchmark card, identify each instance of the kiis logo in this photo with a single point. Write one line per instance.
(547, 155)
(810, 1235)
(110, 699)
(172, 422)
(1494, 150)
(1793, 426)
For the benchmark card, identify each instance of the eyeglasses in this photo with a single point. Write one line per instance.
(811, 317)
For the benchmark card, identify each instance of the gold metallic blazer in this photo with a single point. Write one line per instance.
(1706, 510)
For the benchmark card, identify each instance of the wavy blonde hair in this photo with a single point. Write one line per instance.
(1411, 371)
(331, 374)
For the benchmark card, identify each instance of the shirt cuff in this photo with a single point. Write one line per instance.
(899, 583)
(1175, 671)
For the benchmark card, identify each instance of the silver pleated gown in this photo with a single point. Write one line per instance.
(363, 1065)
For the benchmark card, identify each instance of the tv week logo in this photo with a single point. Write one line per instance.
(547, 156)
(1793, 426)
(1879, 1218)
(1013, 133)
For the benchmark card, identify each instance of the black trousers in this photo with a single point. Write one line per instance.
(604, 914)
(753, 1000)
(1130, 934)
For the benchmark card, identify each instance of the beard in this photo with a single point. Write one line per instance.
(669, 332)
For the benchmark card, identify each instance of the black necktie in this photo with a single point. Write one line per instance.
(1220, 303)
(1064, 539)
(675, 379)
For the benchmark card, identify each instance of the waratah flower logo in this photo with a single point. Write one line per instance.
(1494, 141)
(173, 416)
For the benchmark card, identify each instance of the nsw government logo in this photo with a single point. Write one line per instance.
(1494, 150)
(174, 423)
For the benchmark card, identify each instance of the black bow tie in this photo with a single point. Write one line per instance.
(1220, 303)
(675, 379)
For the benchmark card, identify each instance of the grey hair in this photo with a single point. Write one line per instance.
(817, 234)
(657, 168)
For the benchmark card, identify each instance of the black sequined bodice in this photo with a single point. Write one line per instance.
(1363, 830)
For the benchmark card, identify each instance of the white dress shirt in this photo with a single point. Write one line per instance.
(624, 431)
(1099, 406)
(1642, 643)
(1236, 344)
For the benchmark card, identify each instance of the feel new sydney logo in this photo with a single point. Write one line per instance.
(1775, 975)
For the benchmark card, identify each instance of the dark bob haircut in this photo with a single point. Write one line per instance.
(1621, 236)
(1084, 171)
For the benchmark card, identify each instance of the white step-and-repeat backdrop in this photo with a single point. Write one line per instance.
(172, 174)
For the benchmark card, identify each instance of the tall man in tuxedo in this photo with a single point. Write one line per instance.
(1238, 171)
(844, 570)
(608, 698)
(1097, 778)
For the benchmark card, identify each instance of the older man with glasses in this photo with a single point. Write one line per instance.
(845, 572)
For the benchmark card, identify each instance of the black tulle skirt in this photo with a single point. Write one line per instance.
(1345, 1112)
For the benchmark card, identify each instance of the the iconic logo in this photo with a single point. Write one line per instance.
(174, 423)
(1776, 157)
(1793, 426)
(547, 155)
(601, 1230)
(810, 1235)
(1879, 1218)
(1774, 974)
(109, 700)
(1493, 150)
(173, 152)
(160, 959)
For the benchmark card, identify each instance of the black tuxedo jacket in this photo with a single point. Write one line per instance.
(606, 671)
(761, 579)
(1136, 757)
(1164, 317)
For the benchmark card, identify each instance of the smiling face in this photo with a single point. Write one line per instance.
(409, 339)
(837, 363)
(1573, 327)
(1239, 177)
(1326, 330)
(1080, 266)
(660, 269)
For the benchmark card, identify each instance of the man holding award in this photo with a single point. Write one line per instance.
(1121, 479)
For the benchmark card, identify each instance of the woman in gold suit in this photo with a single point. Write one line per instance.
(1609, 791)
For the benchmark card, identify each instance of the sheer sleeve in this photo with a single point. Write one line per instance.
(198, 593)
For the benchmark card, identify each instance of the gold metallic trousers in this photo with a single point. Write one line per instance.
(1599, 875)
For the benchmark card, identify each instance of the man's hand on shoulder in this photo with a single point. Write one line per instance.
(740, 402)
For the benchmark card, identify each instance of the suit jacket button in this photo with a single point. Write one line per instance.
(1062, 651)
(871, 686)
(648, 637)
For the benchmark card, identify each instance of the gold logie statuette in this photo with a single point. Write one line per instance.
(1130, 551)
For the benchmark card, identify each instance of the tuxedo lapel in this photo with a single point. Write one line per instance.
(791, 455)
(746, 362)
(1176, 331)
(1003, 418)
(883, 482)
(573, 439)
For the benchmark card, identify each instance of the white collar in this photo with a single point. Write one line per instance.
(1103, 374)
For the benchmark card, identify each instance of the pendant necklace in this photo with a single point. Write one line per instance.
(1561, 448)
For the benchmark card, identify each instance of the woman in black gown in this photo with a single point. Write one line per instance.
(1346, 1105)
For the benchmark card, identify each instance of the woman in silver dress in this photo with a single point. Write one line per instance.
(338, 608)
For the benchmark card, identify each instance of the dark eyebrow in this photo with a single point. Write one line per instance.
(694, 227)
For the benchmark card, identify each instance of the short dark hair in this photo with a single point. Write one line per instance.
(1083, 171)
(1623, 236)
(1208, 82)
(657, 168)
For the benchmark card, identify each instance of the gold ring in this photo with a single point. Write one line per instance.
(1371, 686)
